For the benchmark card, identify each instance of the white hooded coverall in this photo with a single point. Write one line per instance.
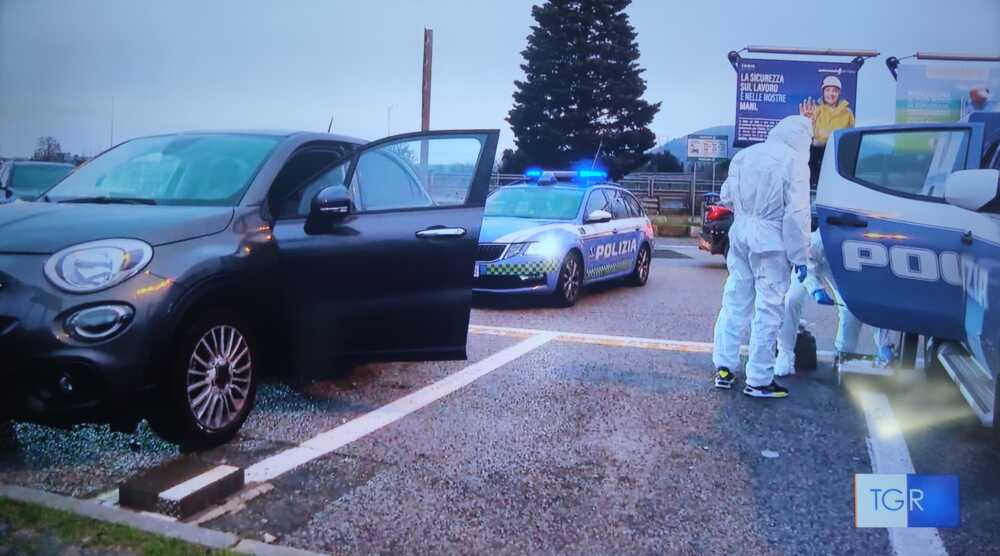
(768, 192)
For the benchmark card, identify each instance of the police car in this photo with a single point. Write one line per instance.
(910, 220)
(556, 232)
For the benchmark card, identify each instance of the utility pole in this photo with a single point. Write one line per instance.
(112, 130)
(425, 109)
(388, 120)
(425, 112)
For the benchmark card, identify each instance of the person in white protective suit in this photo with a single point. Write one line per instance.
(820, 286)
(768, 192)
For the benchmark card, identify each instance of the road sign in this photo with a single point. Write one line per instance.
(707, 147)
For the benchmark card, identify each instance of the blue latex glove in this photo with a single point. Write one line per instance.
(885, 356)
(823, 298)
(800, 272)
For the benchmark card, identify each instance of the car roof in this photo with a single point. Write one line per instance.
(564, 185)
(284, 134)
(36, 163)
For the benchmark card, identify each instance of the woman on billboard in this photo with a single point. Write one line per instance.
(831, 114)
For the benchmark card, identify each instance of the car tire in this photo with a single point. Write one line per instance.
(643, 262)
(211, 383)
(569, 286)
(933, 369)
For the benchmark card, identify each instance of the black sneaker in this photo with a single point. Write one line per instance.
(724, 379)
(773, 390)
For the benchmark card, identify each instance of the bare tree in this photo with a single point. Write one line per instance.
(48, 149)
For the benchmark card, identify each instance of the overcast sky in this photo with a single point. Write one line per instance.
(196, 64)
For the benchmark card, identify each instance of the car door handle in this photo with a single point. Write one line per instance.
(440, 232)
(847, 220)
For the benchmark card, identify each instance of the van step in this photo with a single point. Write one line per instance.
(973, 380)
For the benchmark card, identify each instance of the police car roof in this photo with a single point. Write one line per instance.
(530, 184)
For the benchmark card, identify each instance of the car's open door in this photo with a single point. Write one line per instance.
(893, 243)
(387, 271)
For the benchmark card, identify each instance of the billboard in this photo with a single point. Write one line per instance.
(707, 147)
(769, 90)
(945, 93)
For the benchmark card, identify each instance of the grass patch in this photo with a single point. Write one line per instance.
(37, 528)
(673, 225)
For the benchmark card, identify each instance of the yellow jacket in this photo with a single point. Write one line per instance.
(828, 119)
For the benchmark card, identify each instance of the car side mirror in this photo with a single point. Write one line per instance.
(598, 217)
(972, 189)
(332, 204)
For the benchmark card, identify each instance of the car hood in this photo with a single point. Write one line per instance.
(498, 229)
(44, 228)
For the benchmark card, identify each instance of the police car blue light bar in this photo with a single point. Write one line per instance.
(598, 174)
(588, 174)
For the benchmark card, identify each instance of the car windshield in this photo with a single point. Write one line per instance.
(171, 170)
(535, 202)
(30, 180)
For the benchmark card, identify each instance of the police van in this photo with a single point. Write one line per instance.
(910, 220)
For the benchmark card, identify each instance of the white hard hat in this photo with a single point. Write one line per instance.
(831, 81)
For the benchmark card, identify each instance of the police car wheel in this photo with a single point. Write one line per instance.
(212, 383)
(640, 275)
(570, 282)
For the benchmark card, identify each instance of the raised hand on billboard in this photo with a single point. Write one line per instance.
(807, 108)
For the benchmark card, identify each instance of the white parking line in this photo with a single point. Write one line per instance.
(194, 484)
(368, 423)
(889, 454)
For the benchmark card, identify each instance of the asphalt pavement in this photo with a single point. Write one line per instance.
(592, 429)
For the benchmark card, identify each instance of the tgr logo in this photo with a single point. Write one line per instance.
(906, 501)
(918, 263)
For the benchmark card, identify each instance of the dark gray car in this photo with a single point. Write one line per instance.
(162, 278)
(27, 179)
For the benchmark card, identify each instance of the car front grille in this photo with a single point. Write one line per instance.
(507, 282)
(490, 251)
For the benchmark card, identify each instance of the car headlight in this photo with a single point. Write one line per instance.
(516, 250)
(548, 247)
(97, 265)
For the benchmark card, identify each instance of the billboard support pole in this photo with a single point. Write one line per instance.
(892, 62)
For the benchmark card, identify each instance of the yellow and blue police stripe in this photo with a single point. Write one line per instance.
(610, 268)
(541, 266)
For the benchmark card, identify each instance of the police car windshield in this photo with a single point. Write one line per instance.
(535, 202)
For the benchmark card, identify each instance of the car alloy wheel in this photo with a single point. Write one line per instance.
(211, 383)
(219, 376)
(570, 280)
(642, 264)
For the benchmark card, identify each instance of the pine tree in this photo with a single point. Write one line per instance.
(583, 88)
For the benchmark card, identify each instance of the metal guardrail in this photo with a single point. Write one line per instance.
(659, 192)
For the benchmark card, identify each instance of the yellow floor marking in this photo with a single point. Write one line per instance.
(612, 341)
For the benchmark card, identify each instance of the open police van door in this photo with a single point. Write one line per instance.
(893, 241)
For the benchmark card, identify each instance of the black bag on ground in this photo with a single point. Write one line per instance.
(805, 351)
